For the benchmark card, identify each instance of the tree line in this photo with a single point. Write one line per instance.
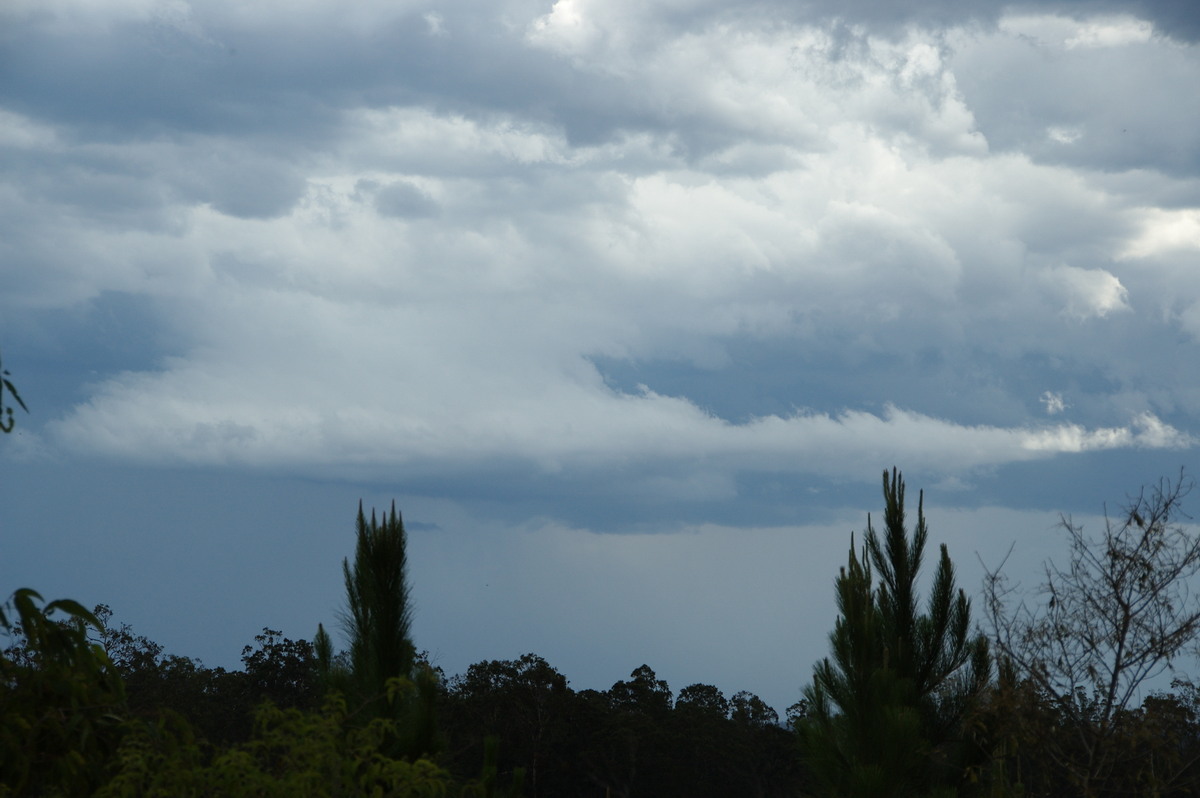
(1043, 695)
(92, 707)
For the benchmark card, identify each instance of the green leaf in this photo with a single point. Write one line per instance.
(74, 608)
(13, 390)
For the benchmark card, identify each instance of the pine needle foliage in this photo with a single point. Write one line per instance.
(887, 708)
(378, 617)
(378, 624)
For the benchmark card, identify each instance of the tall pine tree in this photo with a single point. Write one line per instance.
(378, 617)
(384, 677)
(886, 710)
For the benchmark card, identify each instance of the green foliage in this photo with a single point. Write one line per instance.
(282, 671)
(218, 704)
(525, 703)
(703, 699)
(488, 784)
(333, 670)
(378, 618)
(644, 693)
(885, 714)
(7, 422)
(292, 753)
(378, 621)
(1155, 748)
(749, 710)
(323, 650)
(61, 699)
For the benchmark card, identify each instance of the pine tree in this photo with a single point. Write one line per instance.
(384, 674)
(378, 618)
(886, 711)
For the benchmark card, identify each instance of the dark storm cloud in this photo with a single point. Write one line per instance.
(1063, 97)
(706, 191)
(150, 78)
(1179, 19)
(251, 81)
(1175, 18)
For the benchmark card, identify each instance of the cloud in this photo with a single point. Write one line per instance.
(1053, 402)
(19, 132)
(436, 23)
(403, 199)
(1086, 293)
(428, 279)
(1064, 135)
(1094, 92)
(566, 29)
(392, 410)
(1164, 232)
(1114, 32)
(1146, 431)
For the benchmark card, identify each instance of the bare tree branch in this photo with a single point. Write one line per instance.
(1119, 614)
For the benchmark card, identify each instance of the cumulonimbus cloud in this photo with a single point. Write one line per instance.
(432, 284)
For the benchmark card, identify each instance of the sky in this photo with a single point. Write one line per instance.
(627, 305)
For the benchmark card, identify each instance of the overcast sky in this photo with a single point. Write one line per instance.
(627, 304)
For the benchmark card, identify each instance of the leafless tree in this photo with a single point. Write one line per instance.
(1117, 615)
